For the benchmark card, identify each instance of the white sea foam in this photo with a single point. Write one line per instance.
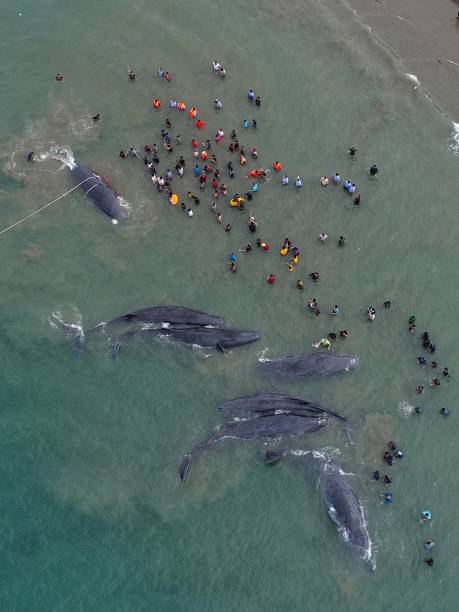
(327, 453)
(299, 453)
(124, 203)
(63, 154)
(81, 125)
(413, 78)
(367, 553)
(453, 144)
(200, 351)
(72, 329)
(261, 355)
(405, 409)
(343, 473)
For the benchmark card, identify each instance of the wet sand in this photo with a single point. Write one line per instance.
(424, 35)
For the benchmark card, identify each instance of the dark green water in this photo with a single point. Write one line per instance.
(94, 516)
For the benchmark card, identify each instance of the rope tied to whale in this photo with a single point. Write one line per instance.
(45, 206)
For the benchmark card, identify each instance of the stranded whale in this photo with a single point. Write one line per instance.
(276, 403)
(313, 364)
(343, 506)
(204, 337)
(268, 427)
(99, 192)
(173, 315)
(180, 325)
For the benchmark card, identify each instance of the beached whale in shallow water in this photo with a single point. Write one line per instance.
(264, 427)
(172, 315)
(343, 506)
(313, 364)
(276, 403)
(158, 317)
(204, 337)
(99, 193)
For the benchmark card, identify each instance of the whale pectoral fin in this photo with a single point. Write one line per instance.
(185, 466)
(116, 350)
(334, 517)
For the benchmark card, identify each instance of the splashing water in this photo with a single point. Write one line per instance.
(64, 155)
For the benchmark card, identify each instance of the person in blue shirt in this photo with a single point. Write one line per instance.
(197, 170)
(245, 124)
(250, 95)
(387, 498)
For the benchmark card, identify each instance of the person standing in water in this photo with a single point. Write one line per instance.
(373, 170)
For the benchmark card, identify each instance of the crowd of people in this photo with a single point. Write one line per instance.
(208, 170)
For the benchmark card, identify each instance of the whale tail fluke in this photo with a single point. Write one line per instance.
(197, 450)
(272, 457)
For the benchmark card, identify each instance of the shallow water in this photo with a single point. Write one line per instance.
(94, 514)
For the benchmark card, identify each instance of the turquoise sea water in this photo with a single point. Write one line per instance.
(94, 516)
